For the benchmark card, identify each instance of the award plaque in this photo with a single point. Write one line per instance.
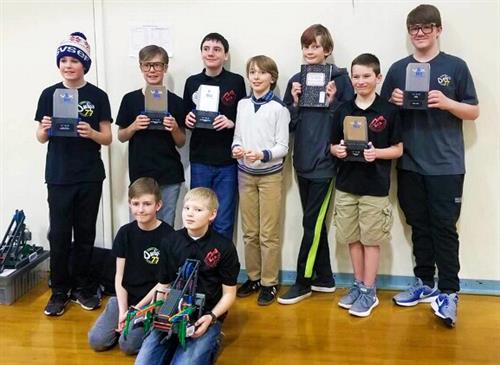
(355, 138)
(155, 101)
(418, 76)
(314, 79)
(207, 106)
(65, 113)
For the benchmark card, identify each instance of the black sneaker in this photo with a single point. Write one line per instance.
(295, 294)
(87, 300)
(56, 304)
(249, 287)
(267, 295)
(323, 286)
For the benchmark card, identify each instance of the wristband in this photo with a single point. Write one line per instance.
(214, 317)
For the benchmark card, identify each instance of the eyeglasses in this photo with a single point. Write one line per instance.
(425, 28)
(157, 66)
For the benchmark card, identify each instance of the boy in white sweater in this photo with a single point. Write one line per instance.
(260, 144)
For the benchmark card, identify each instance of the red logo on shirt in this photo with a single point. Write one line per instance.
(378, 124)
(212, 258)
(229, 98)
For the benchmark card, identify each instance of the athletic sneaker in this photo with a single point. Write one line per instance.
(418, 293)
(57, 304)
(248, 287)
(367, 300)
(295, 294)
(445, 307)
(267, 295)
(87, 299)
(348, 300)
(323, 286)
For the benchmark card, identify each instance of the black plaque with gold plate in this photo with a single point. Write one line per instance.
(355, 137)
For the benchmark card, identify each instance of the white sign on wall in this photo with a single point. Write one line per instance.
(146, 34)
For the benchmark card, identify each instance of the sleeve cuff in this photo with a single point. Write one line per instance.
(267, 156)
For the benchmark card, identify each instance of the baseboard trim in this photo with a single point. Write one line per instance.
(395, 282)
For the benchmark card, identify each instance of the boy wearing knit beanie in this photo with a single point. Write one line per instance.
(74, 173)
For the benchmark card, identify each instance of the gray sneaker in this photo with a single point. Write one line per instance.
(348, 300)
(445, 307)
(418, 293)
(366, 301)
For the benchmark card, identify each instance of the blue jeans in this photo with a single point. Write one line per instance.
(103, 336)
(224, 181)
(169, 196)
(198, 351)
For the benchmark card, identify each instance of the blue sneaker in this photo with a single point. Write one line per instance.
(418, 293)
(366, 301)
(445, 307)
(348, 300)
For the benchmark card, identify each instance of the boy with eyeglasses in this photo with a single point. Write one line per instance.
(212, 165)
(431, 170)
(153, 153)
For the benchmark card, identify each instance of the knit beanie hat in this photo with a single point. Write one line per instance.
(75, 46)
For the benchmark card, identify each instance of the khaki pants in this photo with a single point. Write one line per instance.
(260, 207)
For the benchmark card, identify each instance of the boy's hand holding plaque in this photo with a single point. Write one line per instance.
(207, 106)
(65, 110)
(156, 104)
(418, 76)
(355, 138)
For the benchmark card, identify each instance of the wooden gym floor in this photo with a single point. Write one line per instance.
(315, 331)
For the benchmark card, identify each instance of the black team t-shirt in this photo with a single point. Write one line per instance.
(72, 160)
(141, 251)
(209, 146)
(152, 153)
(219, 263)
(384, 130)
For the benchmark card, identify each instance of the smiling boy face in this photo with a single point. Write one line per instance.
(364, 80)
(213, 54)
(71, 69)
(315, 53)
(144, 209)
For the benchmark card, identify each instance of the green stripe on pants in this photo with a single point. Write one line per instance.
(311, 257)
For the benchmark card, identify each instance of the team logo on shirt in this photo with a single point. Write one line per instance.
(378, 124)
(152, 255)
(229, 98)
(86, 108)
(212, 258)
(444, 80)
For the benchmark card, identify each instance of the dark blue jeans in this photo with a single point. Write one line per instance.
(224, 181)
(198, 351)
